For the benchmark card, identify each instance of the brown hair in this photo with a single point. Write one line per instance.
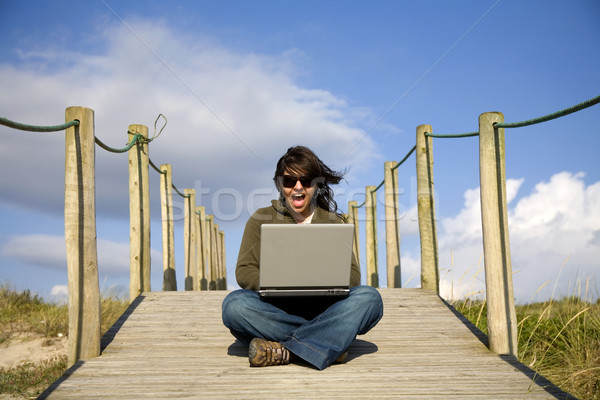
(302, 160)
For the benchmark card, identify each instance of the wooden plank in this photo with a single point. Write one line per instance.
(173, 345)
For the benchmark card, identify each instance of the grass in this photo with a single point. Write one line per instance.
(28, 379)
(560, 339)
(25, 312)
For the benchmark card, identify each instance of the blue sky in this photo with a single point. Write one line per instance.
(240, 82)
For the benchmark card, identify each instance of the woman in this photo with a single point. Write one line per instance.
(319, 330)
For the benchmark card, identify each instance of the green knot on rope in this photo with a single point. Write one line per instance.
(136, 138)
(139, 138)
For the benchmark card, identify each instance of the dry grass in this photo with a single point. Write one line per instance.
(560, 339)
(24, 312)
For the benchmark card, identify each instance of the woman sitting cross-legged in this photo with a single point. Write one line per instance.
(317, 330)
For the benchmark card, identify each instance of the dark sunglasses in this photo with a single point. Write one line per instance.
(289, 181)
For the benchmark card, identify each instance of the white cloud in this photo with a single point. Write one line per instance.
(43, 250)
(227, 111)
(49, 251)
(59, 294)
(553, 231)
(59, 290)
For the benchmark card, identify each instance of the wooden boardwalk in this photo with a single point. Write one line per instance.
(172, 345)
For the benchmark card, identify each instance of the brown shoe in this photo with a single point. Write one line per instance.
(263, 353)
(342, 359)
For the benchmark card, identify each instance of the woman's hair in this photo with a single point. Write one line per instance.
(303, 161)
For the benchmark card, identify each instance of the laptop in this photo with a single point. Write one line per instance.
(305, 260)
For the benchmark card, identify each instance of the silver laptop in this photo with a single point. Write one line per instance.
(305, 260)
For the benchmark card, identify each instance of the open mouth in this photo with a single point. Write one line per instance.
(298, 200)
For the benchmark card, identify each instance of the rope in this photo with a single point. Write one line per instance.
(558, 114)
(552, 116)
(460, 135)
(405, 157)
(35, 128)
(185, 196)
(155, 135)
(155, 167)
(137, 137)
(164, 172)
(378, 186)
(544, 118)
(360, 205)
(393, 168)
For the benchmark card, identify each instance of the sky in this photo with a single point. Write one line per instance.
(239, 82)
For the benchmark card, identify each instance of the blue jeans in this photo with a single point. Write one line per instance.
(318, 341)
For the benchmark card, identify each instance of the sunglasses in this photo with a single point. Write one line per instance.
(289, 181)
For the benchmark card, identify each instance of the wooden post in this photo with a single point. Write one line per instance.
(168, 230)
(353, 219)
(218, 266)
(371, 236)
(80, 237)
(189, 236)
(426, 211)
(209, 271)
(202, 256)
(212, 280)
(392, 230)
(223, 258)
(139, 214)
(501, 315)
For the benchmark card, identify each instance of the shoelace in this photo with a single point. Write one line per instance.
(276, 355)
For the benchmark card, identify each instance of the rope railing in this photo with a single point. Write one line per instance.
(139, 162)
(136, 138)
(205, 267)
(533, 121)
(36, 128)
(80, 226)
(405, 158)
(558, 114)
(383, 181)
(164, 172)
(185, 196)
(57, 128)
(499, 289)
(447, 136)
(156, 168)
